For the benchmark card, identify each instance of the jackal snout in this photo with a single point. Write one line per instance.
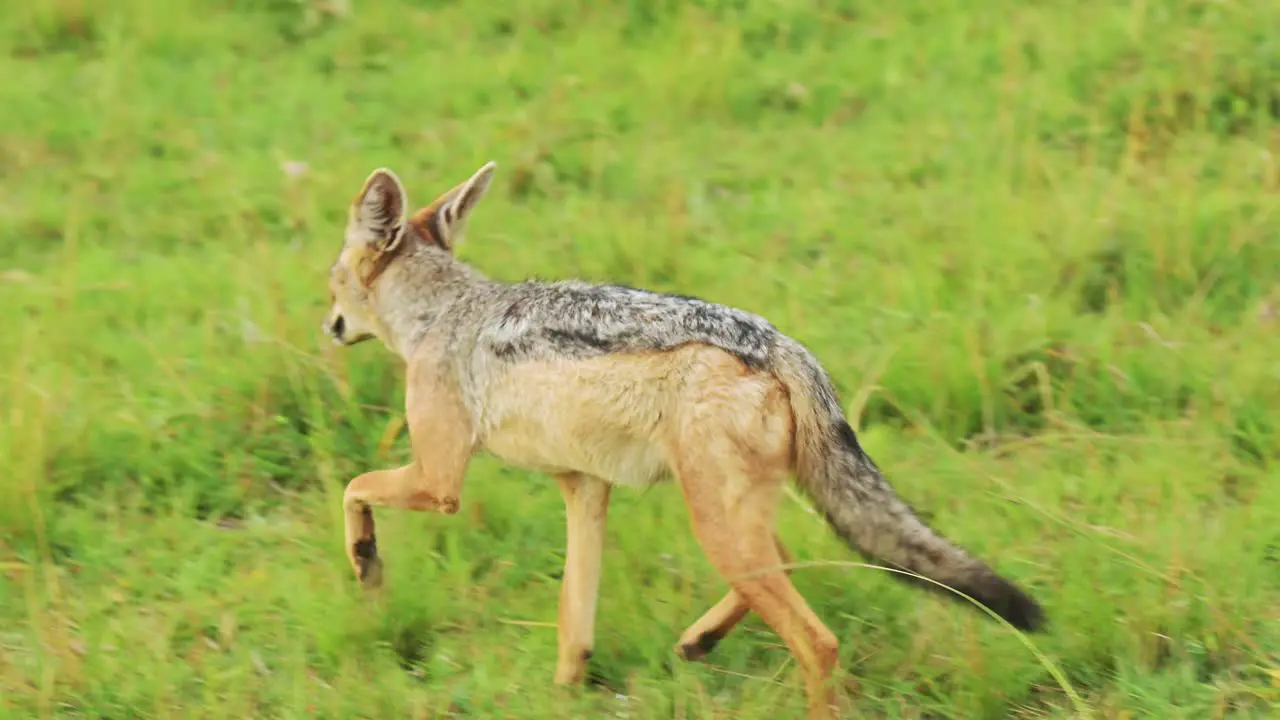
(334, 325)
(343, 328)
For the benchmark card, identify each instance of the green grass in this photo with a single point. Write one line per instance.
(1036, 244)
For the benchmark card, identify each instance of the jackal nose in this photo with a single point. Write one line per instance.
(336, 328)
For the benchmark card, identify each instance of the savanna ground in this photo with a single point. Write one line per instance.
(1037, 245)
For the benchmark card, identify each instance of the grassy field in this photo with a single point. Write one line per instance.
(1036, 244)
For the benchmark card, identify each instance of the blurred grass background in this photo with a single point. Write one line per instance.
(1036, 244)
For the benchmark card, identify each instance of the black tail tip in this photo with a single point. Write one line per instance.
(1011, 603)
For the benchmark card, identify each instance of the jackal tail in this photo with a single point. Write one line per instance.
(862, 508)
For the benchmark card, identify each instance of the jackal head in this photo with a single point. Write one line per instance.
(379, 230)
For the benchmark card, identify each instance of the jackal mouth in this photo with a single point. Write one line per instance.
(336, 330)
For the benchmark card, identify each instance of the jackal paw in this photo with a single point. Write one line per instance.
(368, 565)
(696, 648)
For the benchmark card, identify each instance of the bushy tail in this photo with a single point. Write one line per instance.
(864, 510)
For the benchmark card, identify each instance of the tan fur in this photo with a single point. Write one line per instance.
(603, 415)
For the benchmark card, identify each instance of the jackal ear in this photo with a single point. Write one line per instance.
(378, 213)
(445, 219)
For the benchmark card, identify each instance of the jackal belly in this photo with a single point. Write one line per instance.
(617, 459)
(600, 416)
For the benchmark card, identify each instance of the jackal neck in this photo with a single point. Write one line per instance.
(415, 293)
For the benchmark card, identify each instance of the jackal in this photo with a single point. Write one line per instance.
(604, 385)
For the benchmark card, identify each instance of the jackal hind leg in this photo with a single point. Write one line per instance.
(732, 490)
(703, 635)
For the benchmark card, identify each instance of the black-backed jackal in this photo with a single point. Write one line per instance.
(603, 385)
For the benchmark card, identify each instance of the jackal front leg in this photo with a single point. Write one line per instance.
(586, 504)
(442, 442)
(405, 488)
